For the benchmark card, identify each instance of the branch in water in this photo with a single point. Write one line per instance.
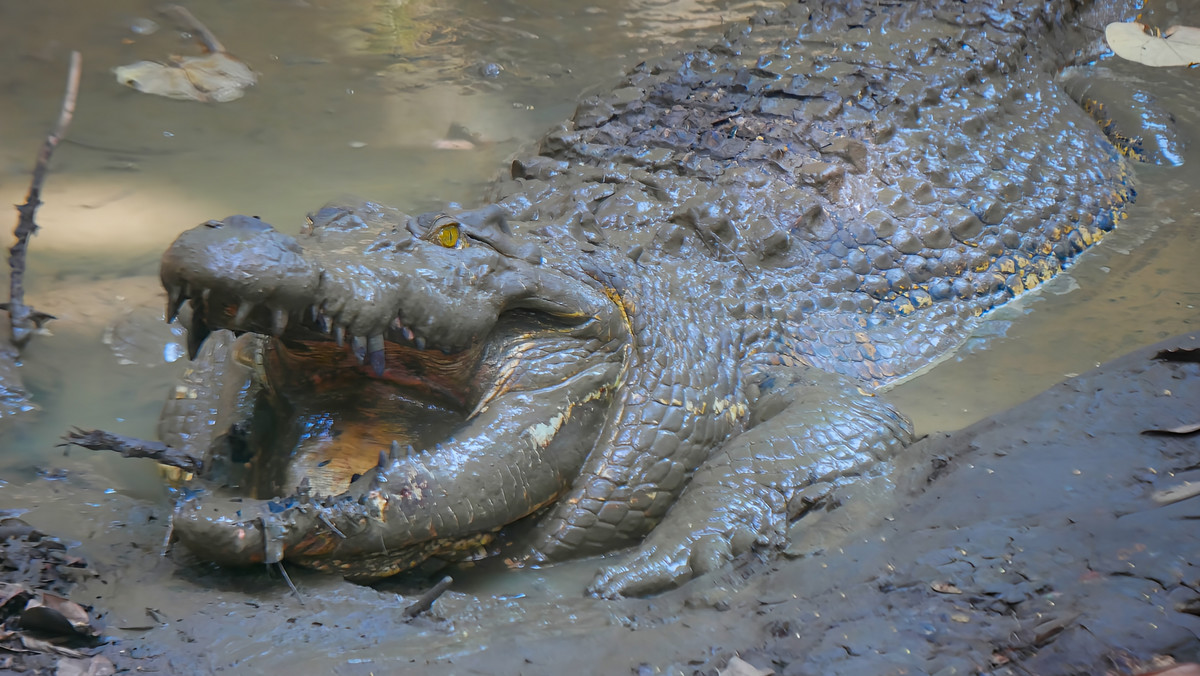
(22, 318)
(132, 447)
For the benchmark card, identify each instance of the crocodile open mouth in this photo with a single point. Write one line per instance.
(396, 393)
(331, 405)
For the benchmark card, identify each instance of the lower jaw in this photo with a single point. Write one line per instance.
(330, 441)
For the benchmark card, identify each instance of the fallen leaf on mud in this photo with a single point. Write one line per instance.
(1174, 494)
(1179, 354)
(1189, 669)
(944, 588)
(1051, 628)
(1176, 46)
(740, 667)
(8, 590)
(44, 646)
(1182, 430)
(90, 666)
(55, 615)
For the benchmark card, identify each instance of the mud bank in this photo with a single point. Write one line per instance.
(1042, 540)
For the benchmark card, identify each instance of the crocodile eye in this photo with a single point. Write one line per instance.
(447, 235)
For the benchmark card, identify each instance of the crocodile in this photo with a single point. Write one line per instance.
(667, 328)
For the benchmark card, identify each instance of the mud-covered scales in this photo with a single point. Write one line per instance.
(674, 312)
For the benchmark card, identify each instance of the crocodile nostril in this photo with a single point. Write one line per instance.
(212, 224)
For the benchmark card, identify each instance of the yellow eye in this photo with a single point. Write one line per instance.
(447, 235)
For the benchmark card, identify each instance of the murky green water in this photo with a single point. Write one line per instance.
(351, 99)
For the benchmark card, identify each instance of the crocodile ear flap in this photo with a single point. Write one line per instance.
(490, 225)
(483, 220)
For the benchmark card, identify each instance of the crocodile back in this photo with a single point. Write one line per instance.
(865, 178)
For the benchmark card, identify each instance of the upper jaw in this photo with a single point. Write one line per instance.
(242, 274)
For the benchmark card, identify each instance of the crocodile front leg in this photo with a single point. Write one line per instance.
(812, 431)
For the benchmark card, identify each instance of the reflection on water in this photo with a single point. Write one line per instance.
(351, 99)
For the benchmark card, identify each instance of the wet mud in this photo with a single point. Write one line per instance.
(1054, 538)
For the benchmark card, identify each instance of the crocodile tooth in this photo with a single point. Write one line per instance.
(313, 312)
(304, 491)
(323, 323)
(359, 347)
(420, 343)
(409, 451)
(279, 320)
(377, 355)
(243, 313)
(383, 460)
(204, 295)
(339, 335)
(175, 299)
(407, 333)
(394, 451)
(196, 334)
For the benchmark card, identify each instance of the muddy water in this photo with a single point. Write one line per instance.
(351, 99)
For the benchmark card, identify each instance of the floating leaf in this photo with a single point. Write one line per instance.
(1176, 46)
(213, 78)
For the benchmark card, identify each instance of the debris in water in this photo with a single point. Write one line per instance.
(215, 77)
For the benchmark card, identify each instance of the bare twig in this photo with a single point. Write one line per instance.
(211, 43)
(132, 447)
(22, 318)
(425, 602)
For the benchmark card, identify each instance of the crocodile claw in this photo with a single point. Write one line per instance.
(660, 566)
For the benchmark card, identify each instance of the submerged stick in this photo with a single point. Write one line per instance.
(211, 43)
(132, 447)
(22, 318)
(425, 601)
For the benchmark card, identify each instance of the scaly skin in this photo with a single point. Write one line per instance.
(675, 312)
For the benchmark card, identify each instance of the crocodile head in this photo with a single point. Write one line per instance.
(418, 383)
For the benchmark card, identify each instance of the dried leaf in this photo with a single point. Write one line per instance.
(1182, 430)
(944, 588)
(1174, 494)
(740, 667)
(1189, 669)
(55, 615)
(89, 666)
(214, 78)
(8, 590)
(1176, 46)
(44, 646)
